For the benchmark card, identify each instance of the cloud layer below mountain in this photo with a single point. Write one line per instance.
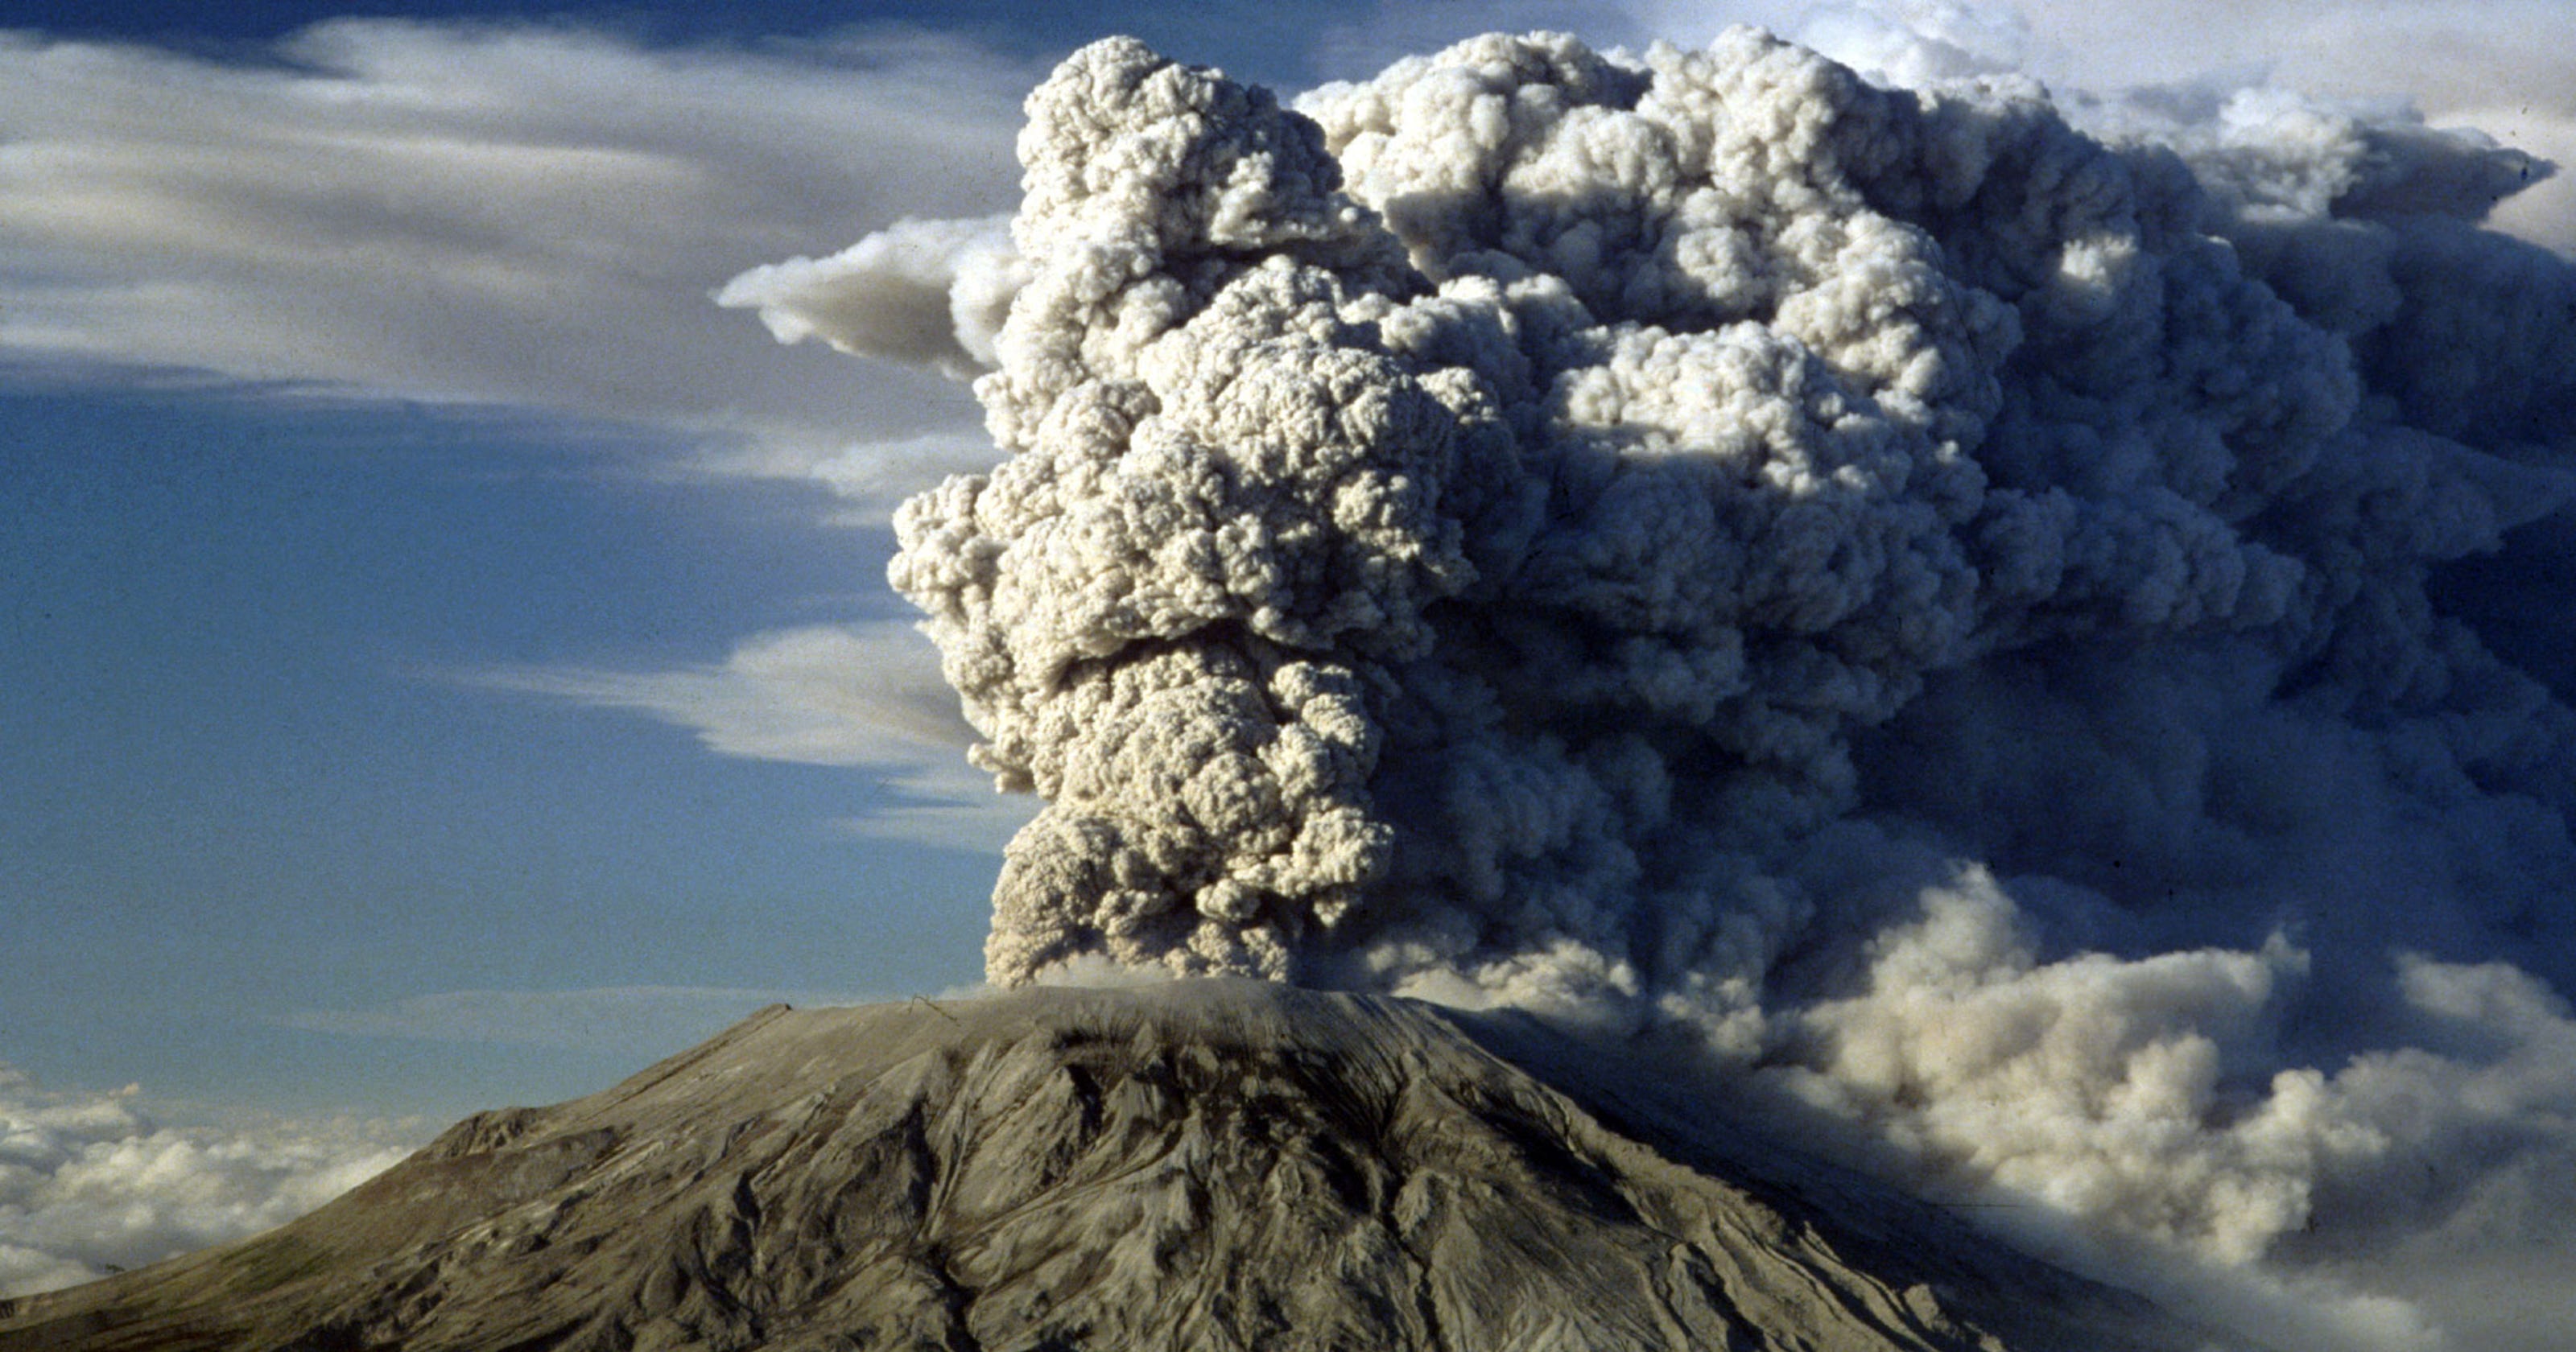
(90, 1184)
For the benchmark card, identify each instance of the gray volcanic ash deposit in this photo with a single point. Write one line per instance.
(1204, 1165)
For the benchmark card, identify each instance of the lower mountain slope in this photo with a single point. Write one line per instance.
(1205, 1165)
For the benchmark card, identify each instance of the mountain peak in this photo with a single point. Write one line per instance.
(1206, 1165)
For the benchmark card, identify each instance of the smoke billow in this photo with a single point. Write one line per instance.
(2035, 645)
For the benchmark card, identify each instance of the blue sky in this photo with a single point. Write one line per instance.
(275, 761)
(255, 780)
(331, 613)
(447, 657)
(423, 598)
(444, 658)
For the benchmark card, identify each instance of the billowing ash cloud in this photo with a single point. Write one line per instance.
(2038, 649)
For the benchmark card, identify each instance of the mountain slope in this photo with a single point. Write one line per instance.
(1209, 1165)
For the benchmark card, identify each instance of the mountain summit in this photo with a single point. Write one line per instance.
(1200, 1165)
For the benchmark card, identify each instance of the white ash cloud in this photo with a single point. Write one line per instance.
(90, 1184)
(2035, 643)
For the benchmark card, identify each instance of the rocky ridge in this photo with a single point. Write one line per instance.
(1203, 1165)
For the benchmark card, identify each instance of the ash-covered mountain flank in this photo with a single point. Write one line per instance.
(1203, 1165)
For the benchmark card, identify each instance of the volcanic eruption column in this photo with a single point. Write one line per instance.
(1962, 615)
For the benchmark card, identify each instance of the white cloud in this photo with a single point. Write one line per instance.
(865, 695)
(534, 217)
(896, 294)
(2504, 67)
(89, 1183)
(645, 1021)
(871, 477)
(824, 695)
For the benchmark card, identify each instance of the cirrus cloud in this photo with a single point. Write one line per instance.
(860, 695)
(514, 215)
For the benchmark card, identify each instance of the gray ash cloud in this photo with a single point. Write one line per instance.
(2037, 647)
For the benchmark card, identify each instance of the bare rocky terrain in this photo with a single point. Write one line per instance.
(1207, 1165)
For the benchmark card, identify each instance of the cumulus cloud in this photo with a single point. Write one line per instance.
(2007, 621)
(518, 215)
(89, 1184)
(866, 696)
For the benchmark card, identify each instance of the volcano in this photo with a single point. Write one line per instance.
(1210, 1165)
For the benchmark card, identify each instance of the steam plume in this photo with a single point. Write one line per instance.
(2034, 645)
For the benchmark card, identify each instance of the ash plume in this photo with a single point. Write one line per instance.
(2036, 648)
